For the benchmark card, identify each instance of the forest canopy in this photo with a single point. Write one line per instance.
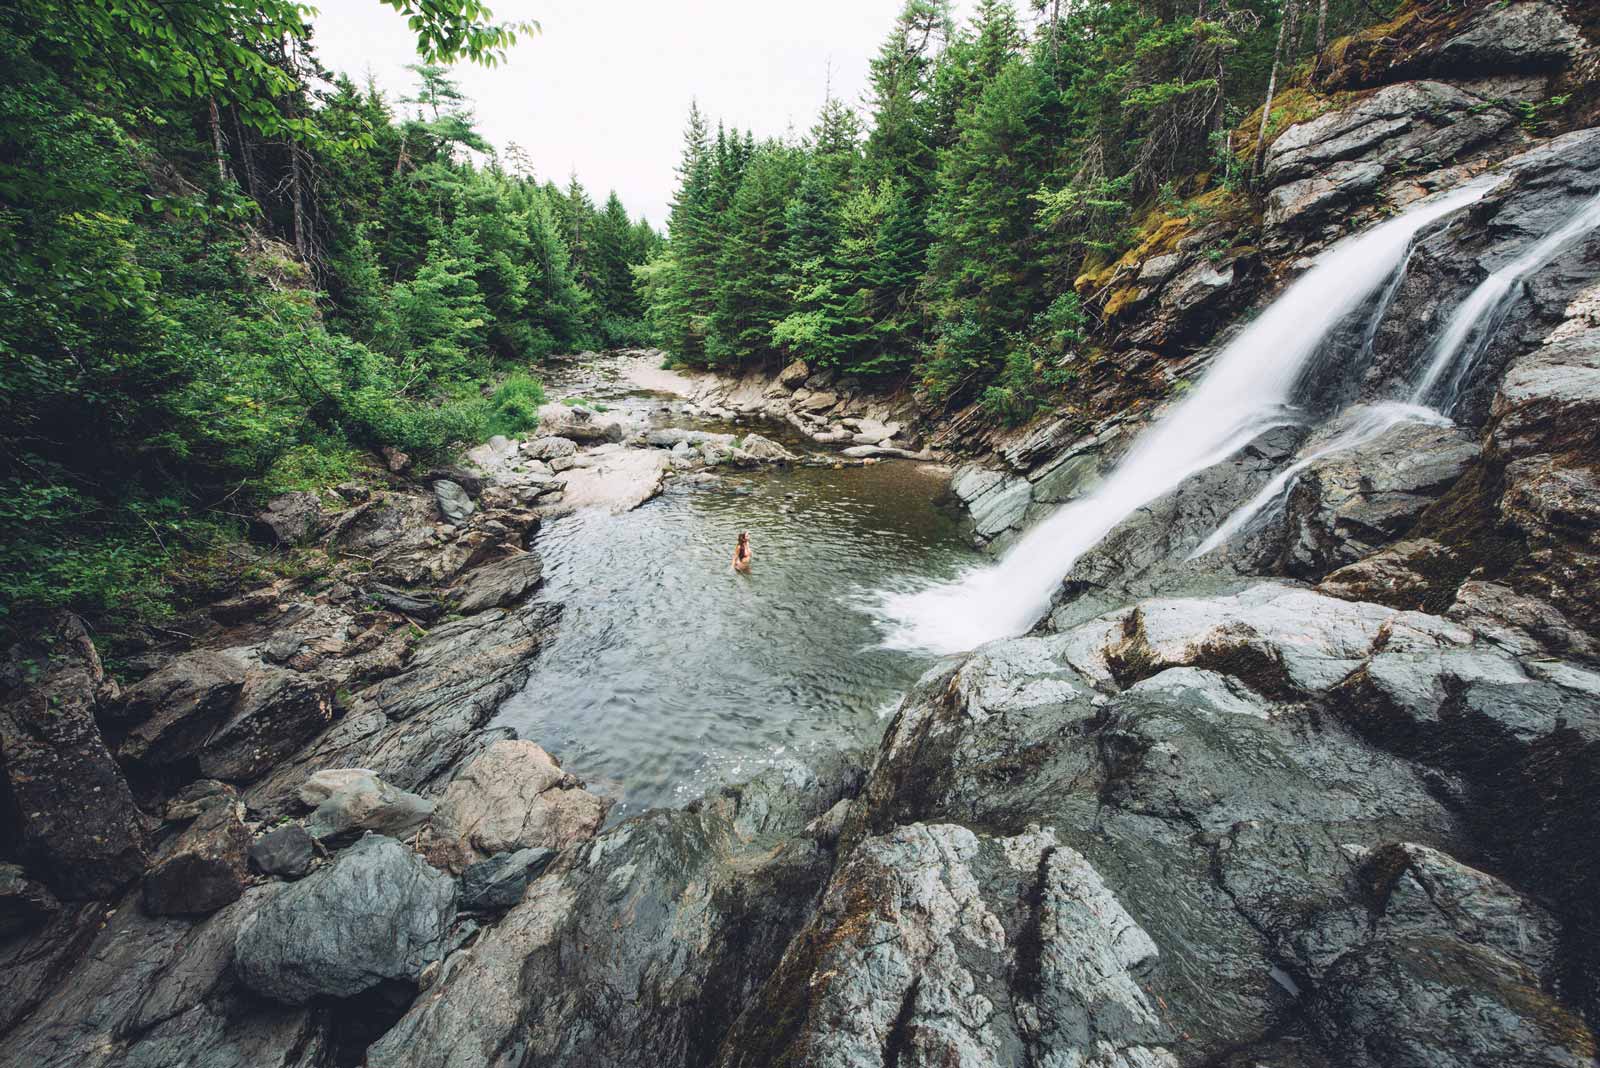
(223, 268)
(938, 232)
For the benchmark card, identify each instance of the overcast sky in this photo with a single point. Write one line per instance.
(604, 89)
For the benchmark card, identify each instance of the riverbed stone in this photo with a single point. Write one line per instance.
(377, 913)
(288, 851)
(794, 374)
(455, 504)
(289, 520)
(205, 870)
(71, 815)
(358, 802)
(550, 447)
(498, 882)
(511, 796)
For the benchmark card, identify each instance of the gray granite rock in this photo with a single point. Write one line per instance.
(378, 913)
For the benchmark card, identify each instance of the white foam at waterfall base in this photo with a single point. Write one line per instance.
(1247, 391)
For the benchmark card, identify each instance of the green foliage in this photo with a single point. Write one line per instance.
(514, 406)
(999, 160)
(220, 280)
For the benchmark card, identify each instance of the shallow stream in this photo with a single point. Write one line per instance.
(671, 674)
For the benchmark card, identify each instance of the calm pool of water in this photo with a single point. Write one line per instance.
(670, 674)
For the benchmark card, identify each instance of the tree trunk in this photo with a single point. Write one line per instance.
(215, 121)
(248, 160)
(1272, 88)
(1322, 35)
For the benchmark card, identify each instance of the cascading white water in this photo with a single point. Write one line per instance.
(1362, 424)
(1247, 391)
(1449, 360)
(1474, 322)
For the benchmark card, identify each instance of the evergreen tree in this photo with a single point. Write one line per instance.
(749, 296)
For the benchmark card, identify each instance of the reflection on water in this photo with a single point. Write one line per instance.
(670, 673)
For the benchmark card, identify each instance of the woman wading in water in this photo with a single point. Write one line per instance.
(741, 552)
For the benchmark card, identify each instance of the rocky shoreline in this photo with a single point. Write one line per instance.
(1321, 798)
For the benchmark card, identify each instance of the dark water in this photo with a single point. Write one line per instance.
(671, 674)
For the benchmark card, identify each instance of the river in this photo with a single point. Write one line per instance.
(671, 674)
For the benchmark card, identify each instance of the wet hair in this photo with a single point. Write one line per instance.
(744, 539)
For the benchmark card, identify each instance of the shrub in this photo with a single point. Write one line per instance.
(514, 406)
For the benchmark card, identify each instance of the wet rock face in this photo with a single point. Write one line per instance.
(935, 945)
(1550, 185)
(1457, 971)
(71, 816)
(1147, 551)
(1171, 749)
(1350, 503)
(378, 913)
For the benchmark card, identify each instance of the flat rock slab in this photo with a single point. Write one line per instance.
(617, 480)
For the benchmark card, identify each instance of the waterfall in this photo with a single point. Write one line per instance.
(1248, 389)
(1473, 324)
(1361, 424)
(1448, 363)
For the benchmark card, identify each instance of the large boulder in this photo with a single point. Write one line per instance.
(469, 481)
(455, 503)
(72, 816)
(498, 584)
(578, 424)
(288, 851)
(276, 713)
(175, 708)
(290, 520)
(511, 796)
(550, 448)
(794, 375)
(205, 869)
(353, 801)
(379, 913)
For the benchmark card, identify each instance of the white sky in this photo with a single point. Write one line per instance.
(604, 90)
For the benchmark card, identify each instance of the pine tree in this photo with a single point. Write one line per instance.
(749, 296)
